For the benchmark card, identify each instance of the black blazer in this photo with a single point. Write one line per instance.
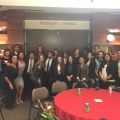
(39, 73)
(56, 75)
(27, 63)
(50, 73)
(83, 72)
(72, 72)
(92, 67)
(115, 69)
(109, 68)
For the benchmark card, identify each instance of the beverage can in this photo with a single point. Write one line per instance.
(110, 90)
(87, 107)
(78, 91)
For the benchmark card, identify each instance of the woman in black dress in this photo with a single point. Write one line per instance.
(59, 69)
(70, 72)
(10, 74)
(39, 72)
(106, 72)
(76, 56)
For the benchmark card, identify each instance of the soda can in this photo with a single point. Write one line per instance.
(78, 91)
(110, 90)
(87, 107)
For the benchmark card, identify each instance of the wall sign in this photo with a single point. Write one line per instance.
(55, 25)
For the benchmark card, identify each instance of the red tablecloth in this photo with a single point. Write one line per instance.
(70, 106)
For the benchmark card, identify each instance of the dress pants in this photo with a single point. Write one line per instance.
(10, 96)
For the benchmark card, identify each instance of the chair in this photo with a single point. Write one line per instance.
(38, 94)
(1, 96)
(58, 87)
(1, 113)
(80, 83)
(0, 108)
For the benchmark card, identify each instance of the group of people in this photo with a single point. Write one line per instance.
(87, 69)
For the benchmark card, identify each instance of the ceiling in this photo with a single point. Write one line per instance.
(57, 13)
(58, 9)
(61, 6)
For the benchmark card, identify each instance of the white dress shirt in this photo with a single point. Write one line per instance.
(30, 65)
(47, 68)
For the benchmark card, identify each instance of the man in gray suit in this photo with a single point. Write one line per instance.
(82, 73)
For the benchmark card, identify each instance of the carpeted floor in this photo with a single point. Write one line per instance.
(20, 112)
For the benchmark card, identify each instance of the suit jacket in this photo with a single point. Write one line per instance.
(109, 68)
(83, 72)
(58, 76)
(39, 74)
(50, 73)
(39, 71)
(115, 71)
(27, 63)
(72, 72)
(92, 67)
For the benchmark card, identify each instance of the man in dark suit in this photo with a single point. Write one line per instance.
(49, 71)
(16, 50)
(116, 69)
(28, 83)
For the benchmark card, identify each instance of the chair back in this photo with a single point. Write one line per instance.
(58, 87)
(40, 93)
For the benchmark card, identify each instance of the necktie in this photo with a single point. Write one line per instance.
(48, 64)
(30, 70)
(119, 69)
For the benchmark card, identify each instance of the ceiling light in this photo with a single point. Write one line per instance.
(114, 30)
(110, 37)
(4, 27)
(91, 1)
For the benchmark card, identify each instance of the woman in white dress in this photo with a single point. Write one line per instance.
(19, 80)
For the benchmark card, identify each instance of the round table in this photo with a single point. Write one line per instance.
(70, 106)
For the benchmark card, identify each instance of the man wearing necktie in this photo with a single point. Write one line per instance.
(116, 69)
(48, 64)
(28, 83)
(31, 65)
(49, 68)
